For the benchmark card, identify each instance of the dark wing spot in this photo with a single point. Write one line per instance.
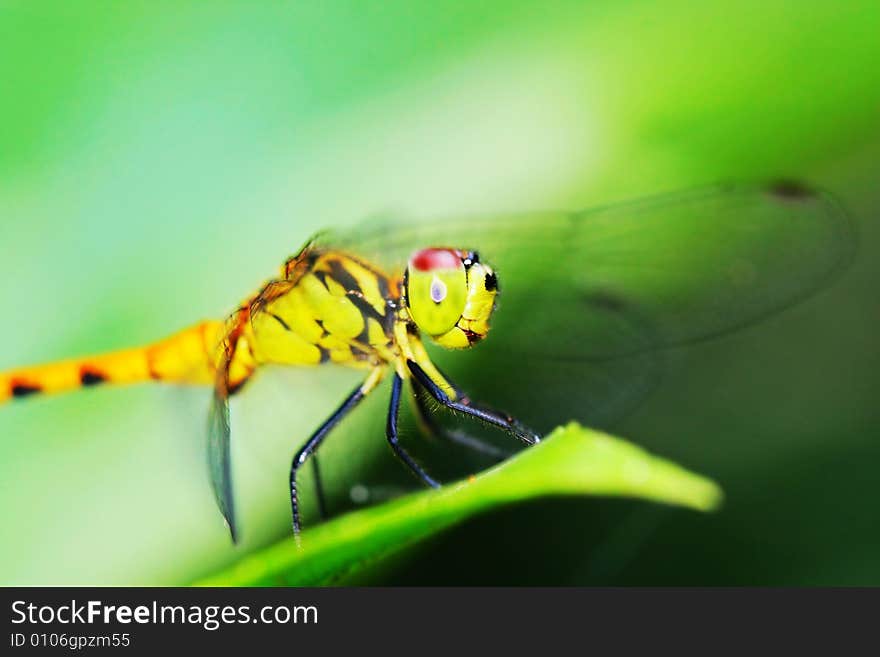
(19, 389)
(491, 282)
(90, 377)
(790, 190)
(605, 301)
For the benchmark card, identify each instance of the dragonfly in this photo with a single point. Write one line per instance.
(590, 298)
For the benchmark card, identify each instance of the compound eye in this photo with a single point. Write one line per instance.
(436, 289)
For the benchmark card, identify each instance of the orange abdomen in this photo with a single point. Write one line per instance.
(189, 356)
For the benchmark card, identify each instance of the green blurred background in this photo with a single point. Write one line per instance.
(158, 160)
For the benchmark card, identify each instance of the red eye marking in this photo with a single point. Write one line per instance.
(434, 259)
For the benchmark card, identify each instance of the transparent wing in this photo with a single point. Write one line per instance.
(694, 264)
(588, 299)
(219, 461)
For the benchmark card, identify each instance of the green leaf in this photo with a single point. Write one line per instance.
(570, 461)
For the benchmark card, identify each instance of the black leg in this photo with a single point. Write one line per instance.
(312, 444)
(391, 433)
(431, 426)
(501, 420)
(319, 488)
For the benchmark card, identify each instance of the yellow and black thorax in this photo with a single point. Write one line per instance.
(330, 307)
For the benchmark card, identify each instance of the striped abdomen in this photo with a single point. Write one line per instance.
(186, 357)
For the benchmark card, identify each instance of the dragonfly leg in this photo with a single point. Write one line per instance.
(315, 440)
(319, 488)
(431, 426)
(391, 433)
(495, 418)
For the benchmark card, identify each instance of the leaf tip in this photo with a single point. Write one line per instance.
(713, 499)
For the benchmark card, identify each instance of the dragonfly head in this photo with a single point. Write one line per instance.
(450, 295)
